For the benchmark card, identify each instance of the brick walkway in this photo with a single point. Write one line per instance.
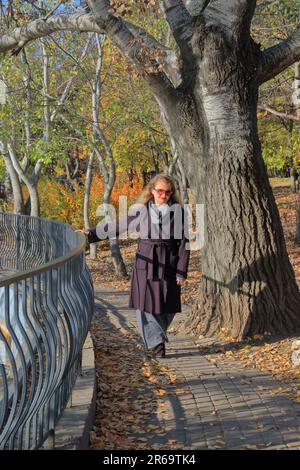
(221, 405)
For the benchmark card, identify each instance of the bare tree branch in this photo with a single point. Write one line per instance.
(149, 61)
(38, 28)
(114, 27)
(277, 58)
(182, 26)
(171, 65)
(66, 90)
(135, 42)
(281, 114)
(50, 13)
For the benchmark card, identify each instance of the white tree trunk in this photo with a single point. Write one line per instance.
(15, 183)
(47, 121)
(110, 173)
(296, 92)
(86, 202)
(31, 185)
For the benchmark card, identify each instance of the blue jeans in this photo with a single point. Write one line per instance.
(153, 328)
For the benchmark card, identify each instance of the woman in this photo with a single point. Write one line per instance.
(161, 262)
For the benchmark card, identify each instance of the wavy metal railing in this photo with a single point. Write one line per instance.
(46, 305)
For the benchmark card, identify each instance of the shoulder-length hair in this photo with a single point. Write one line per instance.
(146, 194)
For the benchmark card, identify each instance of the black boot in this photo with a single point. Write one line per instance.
(159, 350)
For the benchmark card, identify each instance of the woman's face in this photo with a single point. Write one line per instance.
(161, 192)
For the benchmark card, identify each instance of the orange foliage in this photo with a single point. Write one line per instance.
(59, 203)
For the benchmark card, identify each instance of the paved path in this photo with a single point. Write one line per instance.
(221, 405)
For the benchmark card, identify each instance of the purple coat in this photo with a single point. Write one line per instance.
(158, 261)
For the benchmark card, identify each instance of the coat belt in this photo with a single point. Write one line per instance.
(158, 247)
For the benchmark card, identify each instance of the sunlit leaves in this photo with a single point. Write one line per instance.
(278, 144)
(57, 149)
(275, 20)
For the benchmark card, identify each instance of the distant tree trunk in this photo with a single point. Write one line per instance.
(110, 172)
(296, 105)
(68, 174)
(296, 93)
(47, 120)
(28, 104)
(130, 173)
(31, 183)
(298, 223)
(7, 185)
(15, 184)
(155, 162)
(289, 127)
(119, 265)
(76, 167)
(86, 203)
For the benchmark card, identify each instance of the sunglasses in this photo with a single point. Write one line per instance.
(160, 192)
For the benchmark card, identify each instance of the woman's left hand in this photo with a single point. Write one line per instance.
(83, 230)
(179, 281)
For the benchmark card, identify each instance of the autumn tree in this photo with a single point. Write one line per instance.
(206, 86)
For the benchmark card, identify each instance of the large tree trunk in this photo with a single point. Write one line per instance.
(248, 285)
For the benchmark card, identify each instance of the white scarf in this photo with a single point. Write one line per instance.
(164, 209)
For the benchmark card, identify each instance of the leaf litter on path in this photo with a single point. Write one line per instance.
(131, 389)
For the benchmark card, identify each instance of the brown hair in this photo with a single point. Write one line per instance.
(146, 194)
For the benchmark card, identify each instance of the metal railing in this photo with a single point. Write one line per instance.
(46, 305)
